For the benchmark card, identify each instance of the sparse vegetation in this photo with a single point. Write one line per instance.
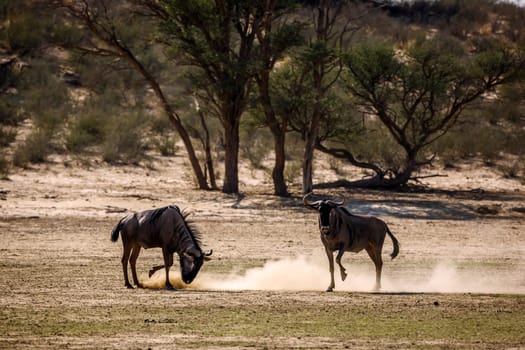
(87, 130)
(35, 148)
(124, 139)
(4, 167)
(165, 144)
(256, 145)
(74, 94)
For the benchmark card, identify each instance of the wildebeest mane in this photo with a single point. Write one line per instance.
(155, 214)
(190, 226)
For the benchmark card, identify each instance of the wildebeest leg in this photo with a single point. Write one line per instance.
(168, 262)
(330, 255)
(133, 262)
(375, 255)
(338, 260)
(125, 258)
(155, 269)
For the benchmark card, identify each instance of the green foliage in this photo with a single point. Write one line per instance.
(394, 103)
(376, 145)
(4, 167)
(8, 111)
(288, 35)
(256, 144)
(87, 130)
(419, 95)
(165, 144)
(373, 63)
(292, 171)
(7, 135)
(124, 139)
(45, 99)
(25, 31)
(35, 149)
(9, 118)
(514, 170)
(23, 28)
(294, 155)
(479, 139)
(119, 134)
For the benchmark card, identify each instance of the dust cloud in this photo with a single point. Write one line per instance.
(311, 274)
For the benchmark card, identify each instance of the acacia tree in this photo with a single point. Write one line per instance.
(319, 66)
(274, 39)
(103, 25)
(420, 94)
(219, 38)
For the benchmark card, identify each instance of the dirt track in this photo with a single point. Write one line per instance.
(461, 268)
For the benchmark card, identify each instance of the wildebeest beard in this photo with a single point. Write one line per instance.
(325, 218)
(190, 266)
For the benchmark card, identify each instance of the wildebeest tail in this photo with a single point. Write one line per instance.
(395, 242)
(116, 230)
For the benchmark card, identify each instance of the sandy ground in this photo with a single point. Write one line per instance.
(464, 234)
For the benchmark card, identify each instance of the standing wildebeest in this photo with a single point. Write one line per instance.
(345, 232)
(165, 228)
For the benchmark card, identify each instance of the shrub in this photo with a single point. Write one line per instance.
(511, 171)
(7, 135)
(123, 141)
(165, 144)
(88, 130)
(256, 144)
(34, 149)
(292, 170)
(8, 111)
(4, 167)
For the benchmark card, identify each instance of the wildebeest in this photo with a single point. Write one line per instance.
(165, 228)
(346, 232)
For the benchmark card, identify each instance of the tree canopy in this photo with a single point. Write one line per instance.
(324, 72)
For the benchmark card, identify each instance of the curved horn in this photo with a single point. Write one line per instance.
(209, 254)
(308, 204)
(193, 252)
(340, 200)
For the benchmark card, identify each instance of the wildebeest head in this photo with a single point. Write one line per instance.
(191, 256)
(324, 207)
(191, 262)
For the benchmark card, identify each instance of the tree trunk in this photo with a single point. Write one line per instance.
(377, 181)
(231, 157)
(278, 131)
(172, 115)
(279, 183)
(120, 50)
(309, 148)
(318, 74)
(207, 151)
(308, 160)
(194, 161)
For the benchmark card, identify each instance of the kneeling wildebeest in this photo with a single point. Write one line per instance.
(345, 232)
(165, 228)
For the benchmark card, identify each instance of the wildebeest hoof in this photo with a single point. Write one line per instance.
(343, 276)
(170, 287)
(330, 289)
(129, 286)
